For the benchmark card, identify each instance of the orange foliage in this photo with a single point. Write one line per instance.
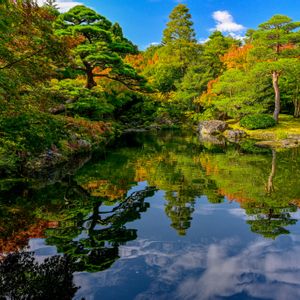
(93, 128)
(72, 42)
(287, 46)
(236, 57)
(208, 96)
(104, 72)
(137, 61)
(237, 196)
(19, 240)
(210, 169)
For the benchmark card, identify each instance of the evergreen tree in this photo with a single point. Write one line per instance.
(180, 27)
(101, 48)
(276, 44)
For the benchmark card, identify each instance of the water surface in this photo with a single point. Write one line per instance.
(160, 216)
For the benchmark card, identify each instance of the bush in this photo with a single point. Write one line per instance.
(257, 121)
(30, 132)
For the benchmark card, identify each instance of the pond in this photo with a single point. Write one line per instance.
(159, 216)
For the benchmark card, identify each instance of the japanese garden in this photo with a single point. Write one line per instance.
(169, 171)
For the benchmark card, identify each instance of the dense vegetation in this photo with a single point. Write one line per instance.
(69, 81)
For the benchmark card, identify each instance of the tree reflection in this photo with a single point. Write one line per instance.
(94, 241)
(270, 184)
(270, 221)
(21, 277)
(251, 181)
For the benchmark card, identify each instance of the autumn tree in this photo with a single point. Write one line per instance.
(28, 47)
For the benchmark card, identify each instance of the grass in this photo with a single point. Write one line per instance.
(288, 127)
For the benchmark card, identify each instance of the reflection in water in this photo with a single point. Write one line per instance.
(23, 278)
(270, 185)
(261, 269)
(138, 217)
(101, 232)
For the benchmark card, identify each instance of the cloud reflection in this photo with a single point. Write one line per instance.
(265, 269)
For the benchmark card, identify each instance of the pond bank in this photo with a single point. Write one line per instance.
(286, 134)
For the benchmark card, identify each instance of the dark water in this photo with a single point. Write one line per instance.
(161, 216)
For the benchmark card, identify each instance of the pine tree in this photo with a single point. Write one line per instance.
(275, 44)
(180, 27)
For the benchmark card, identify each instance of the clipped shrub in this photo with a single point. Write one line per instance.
(257, 121)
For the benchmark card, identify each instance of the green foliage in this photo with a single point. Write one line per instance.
(102, 48)
(31, 132)
(239, 93)
(89, 103)
(27, 57)
(276, 45)
(179, 28)
(257, 121)
(21, 275)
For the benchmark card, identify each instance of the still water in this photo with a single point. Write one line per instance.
(160, 216)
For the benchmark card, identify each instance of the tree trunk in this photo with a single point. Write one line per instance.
(297, 109)
(297, 104)
(275, 76)
(90, 82)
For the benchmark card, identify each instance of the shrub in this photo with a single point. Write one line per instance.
(30, 132)
(257, 121)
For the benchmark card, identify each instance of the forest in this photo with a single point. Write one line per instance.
(71, 82)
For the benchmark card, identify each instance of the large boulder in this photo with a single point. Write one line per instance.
(212, 127)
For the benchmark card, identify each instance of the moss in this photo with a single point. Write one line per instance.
(288, 127)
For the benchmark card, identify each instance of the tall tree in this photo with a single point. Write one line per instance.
(180, 45)
(274, 42)
(179, 27)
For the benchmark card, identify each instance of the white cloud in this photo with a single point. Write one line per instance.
(225, 22)
(63, 5)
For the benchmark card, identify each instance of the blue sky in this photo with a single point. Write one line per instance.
(144, 20)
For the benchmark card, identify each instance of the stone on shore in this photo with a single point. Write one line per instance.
(212, 127)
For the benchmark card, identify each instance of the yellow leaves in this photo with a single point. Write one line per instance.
(105, 189)
(207, 97)
(137, 61)
(141, 173)
(104, 72)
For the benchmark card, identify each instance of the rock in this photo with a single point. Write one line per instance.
(286, 143)
(212, 127)
(268, 144)
(235, 135)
